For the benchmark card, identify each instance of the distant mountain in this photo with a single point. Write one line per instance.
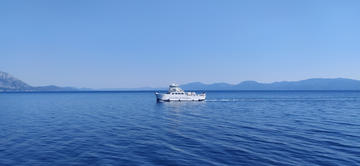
(10, 83)
(54, 88)
(202, 86)
(309, 84)
(131, 89)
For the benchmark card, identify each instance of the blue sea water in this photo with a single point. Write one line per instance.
(131, 128)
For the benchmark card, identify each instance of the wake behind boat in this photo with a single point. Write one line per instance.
(175, 93)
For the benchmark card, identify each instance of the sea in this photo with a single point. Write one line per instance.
(230, 128)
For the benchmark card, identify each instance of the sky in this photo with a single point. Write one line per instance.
(152, 43)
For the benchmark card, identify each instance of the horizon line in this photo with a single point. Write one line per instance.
(232, 84)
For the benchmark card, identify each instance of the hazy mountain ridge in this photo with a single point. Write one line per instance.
(309, 84)
(10, 83)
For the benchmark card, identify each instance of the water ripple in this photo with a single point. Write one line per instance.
(229, 128)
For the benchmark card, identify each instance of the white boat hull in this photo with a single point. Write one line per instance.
(184, 97)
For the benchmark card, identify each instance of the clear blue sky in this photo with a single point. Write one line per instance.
(135, 43)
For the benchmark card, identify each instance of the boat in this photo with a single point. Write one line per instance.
(175, 93)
